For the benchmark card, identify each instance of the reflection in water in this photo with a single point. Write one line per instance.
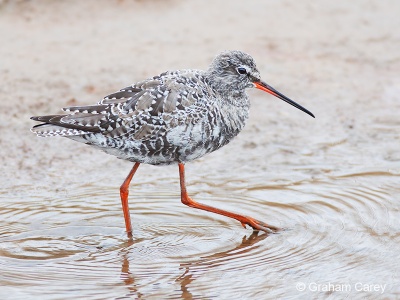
(332, 235)
(185, 280)
(127, 276)
(207, 262)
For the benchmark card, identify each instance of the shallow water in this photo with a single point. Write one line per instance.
(69, 244)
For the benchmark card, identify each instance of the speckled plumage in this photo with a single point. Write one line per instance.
(177, 116)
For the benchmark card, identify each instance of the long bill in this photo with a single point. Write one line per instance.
(269, 89)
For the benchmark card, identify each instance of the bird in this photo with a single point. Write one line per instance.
(172, 118)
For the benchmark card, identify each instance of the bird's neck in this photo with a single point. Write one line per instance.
(237, 98)
(225, 92)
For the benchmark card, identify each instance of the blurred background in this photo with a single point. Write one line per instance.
(331, 182)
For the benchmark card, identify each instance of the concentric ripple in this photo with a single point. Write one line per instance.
(77, 239)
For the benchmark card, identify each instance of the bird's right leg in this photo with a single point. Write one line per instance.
(124, 192)
(245, 220)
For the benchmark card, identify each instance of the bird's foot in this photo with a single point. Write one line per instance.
(129, 235)
(258, 225)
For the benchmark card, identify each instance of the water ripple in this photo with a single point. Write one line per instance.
(77, 238)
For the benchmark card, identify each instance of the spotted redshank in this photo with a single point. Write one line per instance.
(172, 118)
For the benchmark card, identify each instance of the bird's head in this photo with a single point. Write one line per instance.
(231, 72)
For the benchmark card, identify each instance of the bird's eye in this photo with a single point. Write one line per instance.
(241, 71)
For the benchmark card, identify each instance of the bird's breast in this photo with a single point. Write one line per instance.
(216, 129)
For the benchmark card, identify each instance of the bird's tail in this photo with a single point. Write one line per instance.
(53, 126)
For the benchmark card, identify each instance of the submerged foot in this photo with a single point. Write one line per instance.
(258, 225)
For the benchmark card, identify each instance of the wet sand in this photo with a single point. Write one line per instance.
(331, 182)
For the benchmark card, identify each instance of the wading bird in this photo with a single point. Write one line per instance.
(172, 118)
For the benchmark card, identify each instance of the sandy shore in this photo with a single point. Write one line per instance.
(340, 60)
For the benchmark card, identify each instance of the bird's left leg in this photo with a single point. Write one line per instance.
(245, 220)
(124, 192)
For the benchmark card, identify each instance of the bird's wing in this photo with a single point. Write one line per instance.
(152, 107)
(144, 110)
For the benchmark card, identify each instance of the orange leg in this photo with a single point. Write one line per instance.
(257, 225)
(124, 192)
